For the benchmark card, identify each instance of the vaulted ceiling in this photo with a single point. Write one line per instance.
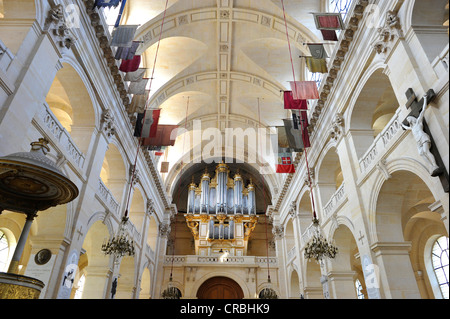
(224, 62)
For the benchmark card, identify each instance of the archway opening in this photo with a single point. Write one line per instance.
(373, 110)
(220, 288)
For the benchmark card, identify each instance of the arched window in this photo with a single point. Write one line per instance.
(80, 285)
(4, 252)
(359, 288)
(439, 257)
(340, 6)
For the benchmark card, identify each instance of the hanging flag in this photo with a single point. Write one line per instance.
(124, 53)
(106, 3)
(123, 35)
(328, 21)
(130, 65)
(291, 104)
(166, 135)
(138, 88)
(317, 50)
(164, 167)
(138, 103)
(304, 90)
(316, 65)
(147, 128)
(135, 76)
(300, 122)
(294, 136)
(282, 138)
(329, 35)
(285, 164)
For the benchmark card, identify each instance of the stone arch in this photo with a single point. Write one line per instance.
(404, 221)
(146, 284)
(114, 172)
(294, 291)
(153, 233)
(70, 100)
(404, 164)
(427, 18)
(98, 265)
(345, 266)
(329, 174)
(312, 285)
(220, 288)
(174, 178)
(304, 210)
(372, 110)
(229, 275)
(126, 282)
(137, 210)
(289, 235)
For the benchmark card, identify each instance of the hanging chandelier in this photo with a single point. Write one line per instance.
(318, 247)
(120, 245)
(171, 292)
(268, 292)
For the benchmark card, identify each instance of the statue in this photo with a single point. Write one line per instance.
(423, 139)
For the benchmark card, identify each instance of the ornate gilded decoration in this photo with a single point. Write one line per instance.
(30, 182)
(14, 286)
(221, 212)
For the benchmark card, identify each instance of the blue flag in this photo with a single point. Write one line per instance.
(106, 3)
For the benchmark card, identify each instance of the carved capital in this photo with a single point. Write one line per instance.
(387, 33)
(164, 230)
(134, 175)
(108, 124)
(293, 209)
(337, 127)
(278, 231)
(150, 207)
(59, 27)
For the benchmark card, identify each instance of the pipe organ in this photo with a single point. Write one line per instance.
(221, 213)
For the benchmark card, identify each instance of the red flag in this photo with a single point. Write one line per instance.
(147, 126)
(304, 90)
(328, 21)
(166, 135)
(301, 123)
(291, 104)
(285, 164)
(130, 65)
(331, 22)
(329, 35)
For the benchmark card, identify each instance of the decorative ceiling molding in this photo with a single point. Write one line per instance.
(149, 33)
(178, 85)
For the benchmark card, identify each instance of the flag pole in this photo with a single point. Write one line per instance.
(119, 17)
(301, 123)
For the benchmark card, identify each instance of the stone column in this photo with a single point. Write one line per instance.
(96, 278)
(342, 284)
(396, 273)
